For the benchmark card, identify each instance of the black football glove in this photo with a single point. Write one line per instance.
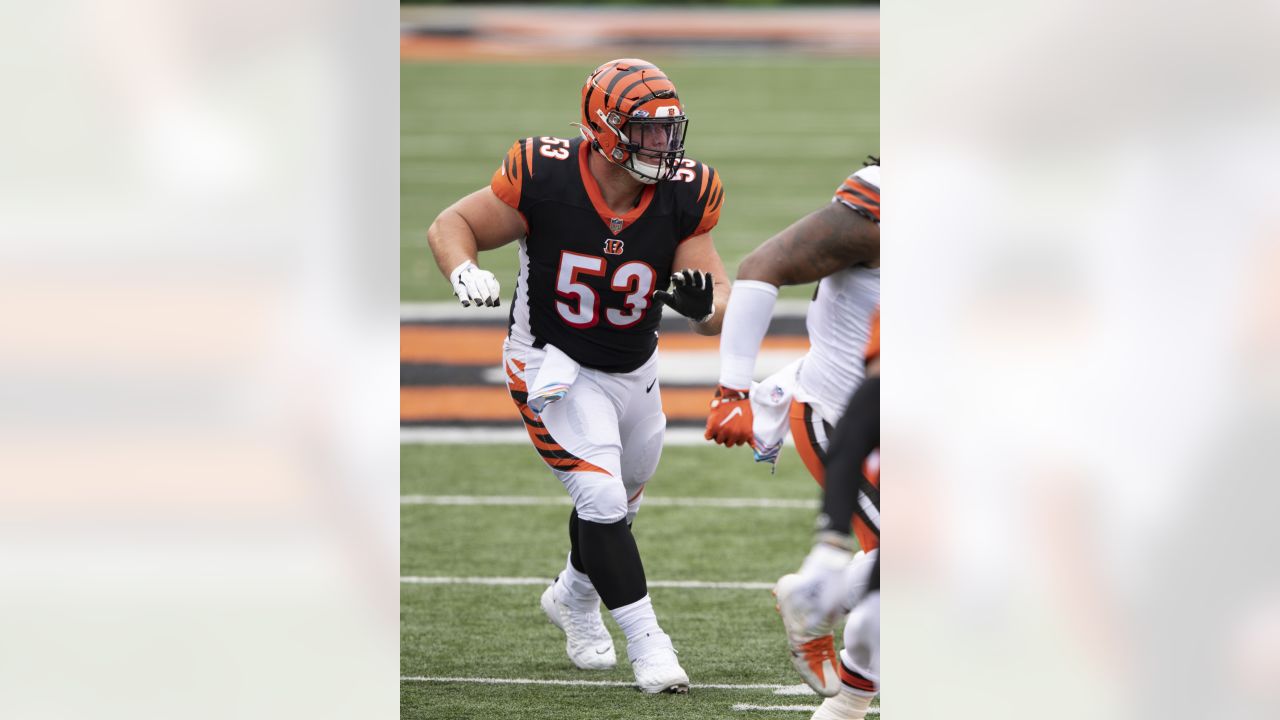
(692, 295)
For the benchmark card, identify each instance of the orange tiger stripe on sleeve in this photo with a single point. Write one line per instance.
(714, 193)
(509, 176)
(860, 196)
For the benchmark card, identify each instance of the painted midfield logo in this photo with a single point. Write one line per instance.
(612, 247)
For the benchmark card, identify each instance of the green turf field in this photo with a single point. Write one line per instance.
(725, 636)
(783, 132)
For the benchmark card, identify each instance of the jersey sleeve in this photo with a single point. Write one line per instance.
(710, 199)
(508, 179)
(860, 192)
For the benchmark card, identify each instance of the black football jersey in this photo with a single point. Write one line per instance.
(587, 274)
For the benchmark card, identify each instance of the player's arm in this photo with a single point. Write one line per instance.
(700, 285)
(479, 221)
(821, 243)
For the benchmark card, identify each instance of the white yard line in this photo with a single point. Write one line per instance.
(682, 584)
(748, 707)
(800, 689)
(535, 500)
(577, 683)
(517, 435)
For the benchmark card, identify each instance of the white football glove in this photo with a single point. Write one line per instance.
(473, 285)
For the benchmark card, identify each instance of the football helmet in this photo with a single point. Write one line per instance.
(632, 115)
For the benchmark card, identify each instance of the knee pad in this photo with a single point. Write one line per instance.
(641, 451)
(598, 498)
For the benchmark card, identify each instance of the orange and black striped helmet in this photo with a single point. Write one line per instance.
(633, 116)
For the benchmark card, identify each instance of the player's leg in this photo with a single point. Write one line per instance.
(811, 434)
(642, 429)
(860, 658)
(571, 602)
(588, 420)
(866, 517)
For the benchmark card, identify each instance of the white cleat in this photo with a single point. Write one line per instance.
(844, 706)
(813, 649)
(657, 669)
(587, 642)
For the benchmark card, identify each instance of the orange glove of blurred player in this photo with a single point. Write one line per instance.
(729, 423)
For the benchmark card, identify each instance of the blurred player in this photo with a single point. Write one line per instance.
(839, 245)
(832, 581)
(603, 222)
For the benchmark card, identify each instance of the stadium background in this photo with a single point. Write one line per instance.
(784, 102)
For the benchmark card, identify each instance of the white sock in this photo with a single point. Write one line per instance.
(576, 589)
(637, 619)
(855, 703)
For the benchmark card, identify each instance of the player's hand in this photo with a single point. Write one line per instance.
(729, 423)
(692, 295)
(473, 285)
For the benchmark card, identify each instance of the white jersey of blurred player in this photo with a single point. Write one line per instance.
(839, 325)
(808, 398)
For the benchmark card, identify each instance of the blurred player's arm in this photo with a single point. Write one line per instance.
(480, 221)
(699, 255)
(821, 243)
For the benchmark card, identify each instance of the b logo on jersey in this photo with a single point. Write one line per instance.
(612, 246)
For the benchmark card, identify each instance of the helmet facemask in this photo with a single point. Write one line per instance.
(653, 145)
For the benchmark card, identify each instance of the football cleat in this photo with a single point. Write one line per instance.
(657, 670)
(587, 642)
(843, 706)
(813, 649)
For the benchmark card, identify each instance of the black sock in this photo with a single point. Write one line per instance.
(612, 562)
(575, 557)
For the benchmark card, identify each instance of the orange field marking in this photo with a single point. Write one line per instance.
(493, 403)
(475, 345)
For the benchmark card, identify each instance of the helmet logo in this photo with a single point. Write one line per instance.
(669, 111)
(642, 114)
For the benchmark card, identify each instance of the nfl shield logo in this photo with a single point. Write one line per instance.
(615, 225)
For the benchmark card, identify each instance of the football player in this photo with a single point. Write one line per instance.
(833, 581)
(838, 245)
(606, 223)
